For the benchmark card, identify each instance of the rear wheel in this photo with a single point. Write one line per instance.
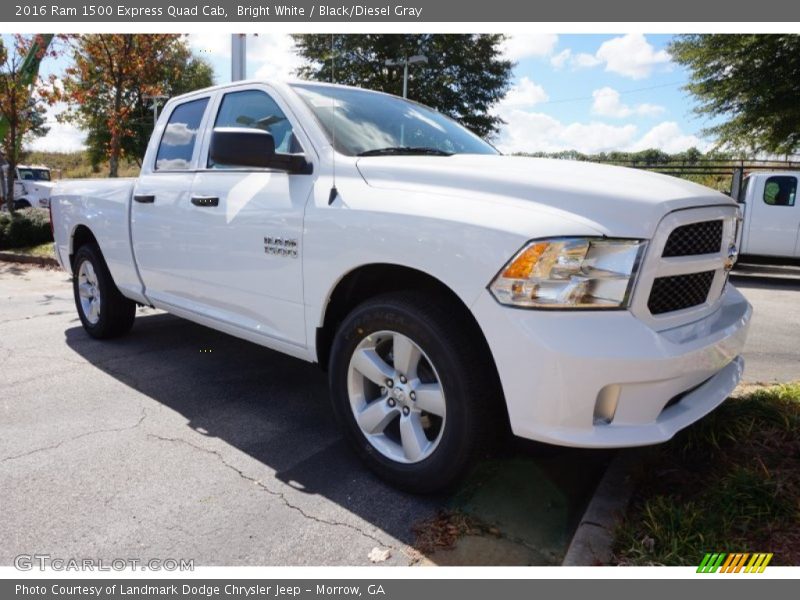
(410, 390)
(103, 310)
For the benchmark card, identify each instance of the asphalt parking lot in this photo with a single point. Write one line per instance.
(180, 442)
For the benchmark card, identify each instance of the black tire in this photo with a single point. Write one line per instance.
(116, 311)
(465, 372)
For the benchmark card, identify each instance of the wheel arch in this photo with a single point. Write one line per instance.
(80, 236)
(369, 280)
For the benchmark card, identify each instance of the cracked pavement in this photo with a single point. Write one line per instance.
(181, 442)
(148, 447)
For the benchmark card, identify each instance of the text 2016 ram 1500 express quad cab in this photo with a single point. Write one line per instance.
(448, 290)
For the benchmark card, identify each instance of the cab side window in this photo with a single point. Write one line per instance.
(780, 190)
(256, 109)
(180, 135)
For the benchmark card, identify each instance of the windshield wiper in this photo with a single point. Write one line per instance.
(401, 150)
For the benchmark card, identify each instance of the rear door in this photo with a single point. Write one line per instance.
(774, 216)
(165, 243)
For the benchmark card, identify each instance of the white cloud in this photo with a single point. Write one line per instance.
(213, 45)
(62, 137)
(178, 134)
(273, 56)
(631, 56)
(559, 60)
(517, 47)
(524, 94)
(269, 55)
(669, 137)
(607, 103)
(527, 131)
(584, 60)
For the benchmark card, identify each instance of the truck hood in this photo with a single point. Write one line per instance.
(613, 200)
(40, 188)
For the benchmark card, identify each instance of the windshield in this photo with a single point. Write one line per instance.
(27, 174)
(371, 123)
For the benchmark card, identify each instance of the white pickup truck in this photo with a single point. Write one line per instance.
(771, 226)
(448, 290)
(32, 186)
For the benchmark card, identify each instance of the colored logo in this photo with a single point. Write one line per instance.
(740, 562)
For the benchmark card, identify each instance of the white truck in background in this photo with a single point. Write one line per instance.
(32, 186)
(448, 290)
(771, 215)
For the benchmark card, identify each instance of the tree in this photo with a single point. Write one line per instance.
(108, 86)
(21, 117)
(751, 82)
(194, 73)
(464, 78)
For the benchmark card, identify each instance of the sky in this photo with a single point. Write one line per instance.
(590, 93)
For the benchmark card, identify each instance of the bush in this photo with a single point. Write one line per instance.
(26, 227)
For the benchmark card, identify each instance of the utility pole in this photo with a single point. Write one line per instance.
(156, 98)
(238, 56)
(412, 60)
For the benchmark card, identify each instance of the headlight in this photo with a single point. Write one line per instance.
(570, 273)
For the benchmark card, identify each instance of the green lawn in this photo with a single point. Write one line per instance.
(730, 483)
(44, 250)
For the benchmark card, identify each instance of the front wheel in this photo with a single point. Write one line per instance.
(410, 390)
(103, 310)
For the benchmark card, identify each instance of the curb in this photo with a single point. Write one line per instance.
(592, 543)
(42, 261)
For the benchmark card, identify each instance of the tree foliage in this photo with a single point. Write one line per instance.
(108, 85)
(464, 78)
(21, 116)
(751, 83)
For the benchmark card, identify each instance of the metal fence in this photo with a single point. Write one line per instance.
(735, 169)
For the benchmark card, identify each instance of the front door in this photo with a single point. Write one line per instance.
(249, 270)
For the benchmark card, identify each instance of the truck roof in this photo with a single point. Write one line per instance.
(285, 83)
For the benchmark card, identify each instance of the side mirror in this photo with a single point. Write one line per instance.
(246, 147)
(242, 147)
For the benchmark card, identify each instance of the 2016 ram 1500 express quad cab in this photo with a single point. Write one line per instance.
(444, 287)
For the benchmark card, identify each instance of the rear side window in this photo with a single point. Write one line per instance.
(780, 190)
(177, 143)
(256, 109)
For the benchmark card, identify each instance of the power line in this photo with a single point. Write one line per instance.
(621, 93)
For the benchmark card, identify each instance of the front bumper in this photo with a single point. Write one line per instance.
(606, 379)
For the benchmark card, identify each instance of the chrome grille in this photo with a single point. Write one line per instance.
(679, 292)
(694, 239)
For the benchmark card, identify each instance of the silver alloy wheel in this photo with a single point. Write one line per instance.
(396, 397)
(89, 292)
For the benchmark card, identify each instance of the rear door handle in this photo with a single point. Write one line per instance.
(145, 199)
(204, 201)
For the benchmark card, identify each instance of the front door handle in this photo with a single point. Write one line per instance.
(204, 201)
(144, 199)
